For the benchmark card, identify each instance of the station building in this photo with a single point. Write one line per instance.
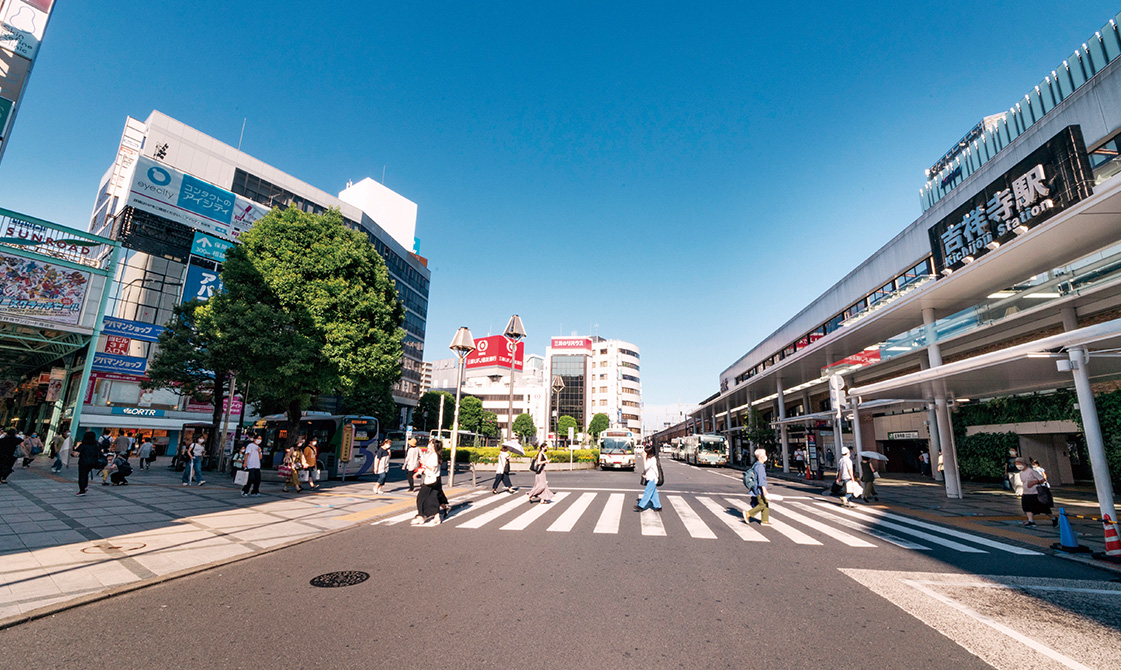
(1008, 283)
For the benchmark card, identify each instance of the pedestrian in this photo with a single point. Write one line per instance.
(760, 504)
(293, 459)
(8, 445)
(381, 464)
(829, 457)
(799, 461)
(1034, 500)
(31, 446)
(868, 476)
(437, 445)
(122, 444)
(540, 491)
(106, 441)
(193, 469)
(502, 471)
(253, 467)
(428, 498)
(119, 469)
(844, 477)
(61, 445)
(924, 463)
(311, 461)
(651, 474)
(88, 453)
(145, 453)
(412, 462)
(1012, 474)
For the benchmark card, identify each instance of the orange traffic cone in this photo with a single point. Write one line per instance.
(1112, 542)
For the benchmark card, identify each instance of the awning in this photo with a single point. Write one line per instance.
(131, 422)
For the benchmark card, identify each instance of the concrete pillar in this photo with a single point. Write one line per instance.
(857, 443)
(782, 428)
(942, 413)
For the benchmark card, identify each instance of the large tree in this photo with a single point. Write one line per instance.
(426, 416)
(599, 423)
(309, 308)
(563, 424)
(524, 428)
(488, 427)
(470, 414)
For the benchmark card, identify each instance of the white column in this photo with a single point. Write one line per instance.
(857, 443)
(782, 428)
(942, 413)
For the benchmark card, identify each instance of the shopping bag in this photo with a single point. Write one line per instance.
(854, 489)
(303, 475)
(284, 471)
(315, 474)
(241, 478)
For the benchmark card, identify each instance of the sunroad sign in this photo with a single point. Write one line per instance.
(1050, 179)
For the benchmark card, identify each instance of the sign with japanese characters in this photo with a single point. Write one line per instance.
(116, 363)
(201, 284)
(147, 332)
(115, 344)
(1050, 179)
(210, 247)
(495, 352)
(34, 292)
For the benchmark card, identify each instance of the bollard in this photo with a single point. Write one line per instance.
(1112, 543)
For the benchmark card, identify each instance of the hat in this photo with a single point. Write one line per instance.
(844, 451)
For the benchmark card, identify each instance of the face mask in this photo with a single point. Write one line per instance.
(1019, 467)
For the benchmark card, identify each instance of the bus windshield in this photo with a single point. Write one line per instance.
(617, 445)
(711, 446)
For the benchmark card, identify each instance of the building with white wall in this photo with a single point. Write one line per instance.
(600, 376)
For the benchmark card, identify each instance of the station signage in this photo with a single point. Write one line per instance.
(210, 247)
(1047, 181)
(495, 352)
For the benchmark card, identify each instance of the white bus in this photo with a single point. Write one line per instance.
(705, 450)
(616, 450)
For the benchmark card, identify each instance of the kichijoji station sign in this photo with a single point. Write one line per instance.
(1050, 179)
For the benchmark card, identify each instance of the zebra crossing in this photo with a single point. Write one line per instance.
(809, 521)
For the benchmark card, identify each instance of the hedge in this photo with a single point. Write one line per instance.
(490, 455)
(983, 456)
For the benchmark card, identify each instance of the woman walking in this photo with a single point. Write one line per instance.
(868, 478)
(412, 462)
(844, 477)
(540, 491)
(87, 453)
(381, 464)
(428, 498)
(1031, 501)
(650, 475)
(293, 459)
(310, 461)
(62, 447)
(31, 446)
(502, 471)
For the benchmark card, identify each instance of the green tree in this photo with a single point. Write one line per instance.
(376, 400)
(524, 428)
(489, 425)
(599, 423)
(309, 308)
(563, 424)
(426, 416)
(470, 414)
(758, 432)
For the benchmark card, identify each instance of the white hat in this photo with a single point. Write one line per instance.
(844, 451)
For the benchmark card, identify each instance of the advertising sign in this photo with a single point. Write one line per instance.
(1050, 179)
(164, 191)
(201, 284)
(118, 363)
(194, 406)
(210, 247)
(13, 75)
(42, 239)
(494, 351)
(54, 386)
(137, 411)
(347, 449)
(146, 332)
(855, 361)
(35, 292)
(115, 344)
(21, 29)
(572, 343)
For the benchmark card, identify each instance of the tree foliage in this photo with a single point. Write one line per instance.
(599, 423)
(563, 424)
(524, 427)
(489, 425)
(758, 432)
(470, 414)
(426, 416)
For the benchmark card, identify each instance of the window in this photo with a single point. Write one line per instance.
(628, 352)
(602, 389)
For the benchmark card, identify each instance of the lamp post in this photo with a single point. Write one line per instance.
(462, 344)
(513, 334)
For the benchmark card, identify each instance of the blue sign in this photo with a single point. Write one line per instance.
(208, 200)
(137, 411)
(147, 332)
(131, 365)
(201, 284)
(210, 247)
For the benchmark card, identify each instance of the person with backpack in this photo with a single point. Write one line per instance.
(540, 491)
(119, 469)
(651, 478)
(755, 479)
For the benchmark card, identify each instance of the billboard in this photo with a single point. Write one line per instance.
(582, 343)
(36, 292)
(162, 190)
(494, 352)
(201, 284)
(136, 330)
(22, 24)
(132, 365)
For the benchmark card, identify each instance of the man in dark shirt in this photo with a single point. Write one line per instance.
(8, 445)
(87, 452)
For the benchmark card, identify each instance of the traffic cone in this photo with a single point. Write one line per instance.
(1068, 539)
(1112, 542)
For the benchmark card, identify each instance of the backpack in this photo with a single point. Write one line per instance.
(661, 473)
(124, 467)
(750, 480)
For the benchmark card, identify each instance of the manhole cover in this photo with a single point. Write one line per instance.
(113, 548)
(345, 578)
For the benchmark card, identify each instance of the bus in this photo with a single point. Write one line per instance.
(705, 450)
(327, 429)
(675, 448)
(616, 450)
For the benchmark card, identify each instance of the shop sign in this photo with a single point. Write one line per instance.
(138, 411)
(35, 291)
(903, 435)
(195, 406)
(855, 361)
(117, 363)
(494, 351)
(21, 29)
(115, 344)
(571, 343)
(47, 240)
(136, 330)
(201, 284)
(1050, 179)
(210, 247)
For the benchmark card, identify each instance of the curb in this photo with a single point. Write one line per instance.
(55, 608)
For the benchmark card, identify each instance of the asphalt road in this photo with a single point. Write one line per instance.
(576, 589)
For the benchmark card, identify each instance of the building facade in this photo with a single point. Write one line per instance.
(600, 376)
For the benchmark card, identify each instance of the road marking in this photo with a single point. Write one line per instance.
(904, 529)
(491, 515)
(404, 516)
(832, 532)
(571, 515)
(652, 523)
(735, 522)
(693, 523)
(534, 514)
(795, 535)
(612, 514)
(954, 533)
(472, 506)
(863, 528)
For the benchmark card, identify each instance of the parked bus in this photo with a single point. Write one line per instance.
(675, 448)
(616, 450)
(705, 450)
(326, 428)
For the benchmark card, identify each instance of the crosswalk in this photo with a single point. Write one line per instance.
(808, 521)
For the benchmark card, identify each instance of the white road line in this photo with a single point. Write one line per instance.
(652, 523)
(977, 539)
(534, 514)
(491, 515)
(473, 505)
(832, 532)
(795, 535)
(863, 528)
(412, 513)
(612, 513)
(927, 537)
(573, 513)
(746, 532)
(692, 521)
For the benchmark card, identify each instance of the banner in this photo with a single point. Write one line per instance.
(54, 387)
(201, 284)
(115, 363)
(494, 351)
(136, 330)
(42, 292)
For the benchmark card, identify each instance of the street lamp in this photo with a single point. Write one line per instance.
(462, 344)
(558, 386)
(513, 334)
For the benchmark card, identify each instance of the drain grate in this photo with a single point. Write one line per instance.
(335, 579)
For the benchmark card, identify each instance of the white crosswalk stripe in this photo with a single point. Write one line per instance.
(839, 535)
(473, 505)
(926, 537)
(612, 514)
(573, 513)
(796, 536)
(651, 522)
(539, 510)
(693, 523)
(735, 522)
(984, 541)
(862, 527)
(405, 516)
(490, 515)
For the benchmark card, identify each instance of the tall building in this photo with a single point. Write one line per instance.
(177, 199)
(600, 376)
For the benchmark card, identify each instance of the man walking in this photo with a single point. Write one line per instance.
(194, 465)
(253, 467)
(799, 461)
(61, 446)
(844, 477)
(761, 505)
(122, 445)
(87, 452)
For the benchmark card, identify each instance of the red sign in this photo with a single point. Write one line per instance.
(115, 344)
(193, 406)
(855, 361)
(572, 343)
(494, 351)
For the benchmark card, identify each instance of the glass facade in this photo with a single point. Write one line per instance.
(570, 401)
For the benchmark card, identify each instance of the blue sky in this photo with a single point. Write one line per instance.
(686, 177)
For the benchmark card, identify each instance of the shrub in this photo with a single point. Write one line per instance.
(490, 455)
(983, 456)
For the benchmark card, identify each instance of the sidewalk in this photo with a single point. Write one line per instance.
(984, 508)
(57, 547)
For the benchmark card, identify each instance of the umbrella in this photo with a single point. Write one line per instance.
(514, 446)
(874, 455)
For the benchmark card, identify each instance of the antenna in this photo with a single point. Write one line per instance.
(242, 136)
(383, 175)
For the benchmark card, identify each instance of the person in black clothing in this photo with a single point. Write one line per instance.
(8, 445)
(88, 453)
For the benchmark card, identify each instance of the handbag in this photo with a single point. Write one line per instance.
(854, 489)
(241, 478)
(1045, 497)
(315, 475)
(875, 475)
(304, 475)
(284, 470)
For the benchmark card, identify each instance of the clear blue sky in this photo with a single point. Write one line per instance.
(687, 176)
